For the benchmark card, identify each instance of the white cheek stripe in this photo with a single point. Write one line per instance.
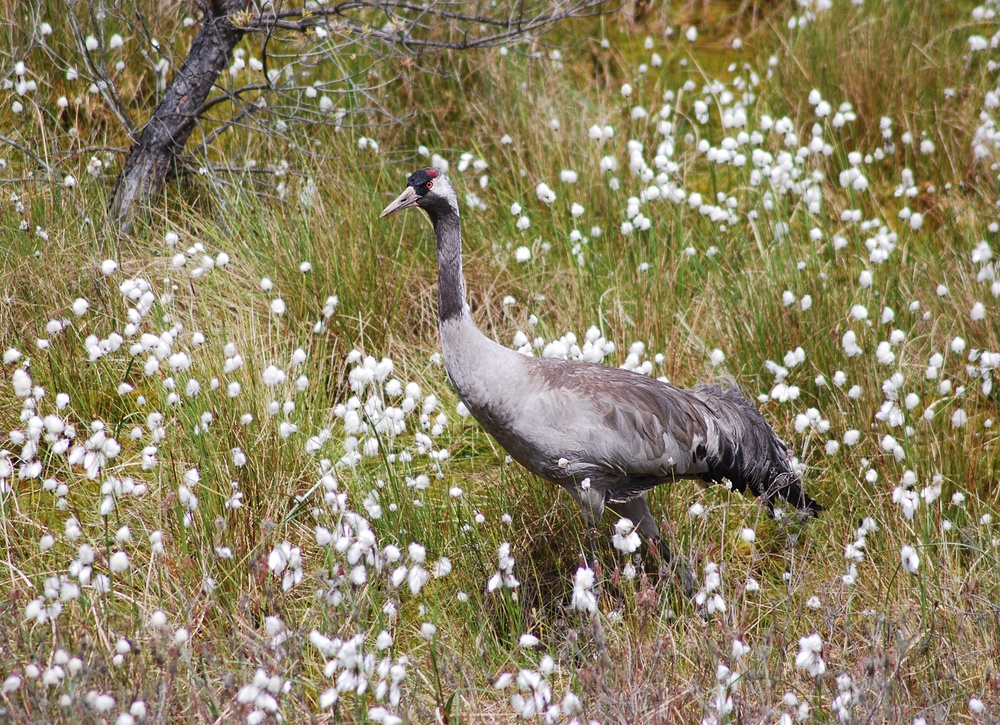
(444, 189)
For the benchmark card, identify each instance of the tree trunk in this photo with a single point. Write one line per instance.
(152, 161)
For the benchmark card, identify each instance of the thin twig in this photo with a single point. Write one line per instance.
(27, 152)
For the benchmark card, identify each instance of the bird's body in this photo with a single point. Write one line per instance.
(569, 422)
(605, 434)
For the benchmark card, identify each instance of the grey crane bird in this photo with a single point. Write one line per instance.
(604, 434)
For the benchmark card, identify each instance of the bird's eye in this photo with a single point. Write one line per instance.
(430, 184)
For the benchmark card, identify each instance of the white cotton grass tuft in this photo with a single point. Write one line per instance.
(909, 559)
(739, 649)
(527, 641)
(626, 536)
(119, 562)
(504, 577)
(274, 376)
(285, 561)
(810, 653)
(709, 596)
(11, 684)
(545, 193)
(584, 599)
(21, 383)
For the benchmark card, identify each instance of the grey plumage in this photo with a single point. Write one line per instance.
(605, 434)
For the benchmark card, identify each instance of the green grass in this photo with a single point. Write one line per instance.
(914, 645)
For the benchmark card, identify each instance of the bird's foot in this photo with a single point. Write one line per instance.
(670, 565)
(685, 575)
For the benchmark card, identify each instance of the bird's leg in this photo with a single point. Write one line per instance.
(637, 510)
(591, 503)
(684, 574)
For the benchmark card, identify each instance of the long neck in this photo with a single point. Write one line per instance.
(451, 284)
(482, 371)
(478, 368)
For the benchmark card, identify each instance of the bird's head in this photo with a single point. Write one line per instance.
(429, 189)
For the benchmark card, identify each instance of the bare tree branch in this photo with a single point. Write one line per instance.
(363, 47)
(101, 79)
(302, 21)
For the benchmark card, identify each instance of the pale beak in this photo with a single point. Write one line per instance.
(404, 201)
